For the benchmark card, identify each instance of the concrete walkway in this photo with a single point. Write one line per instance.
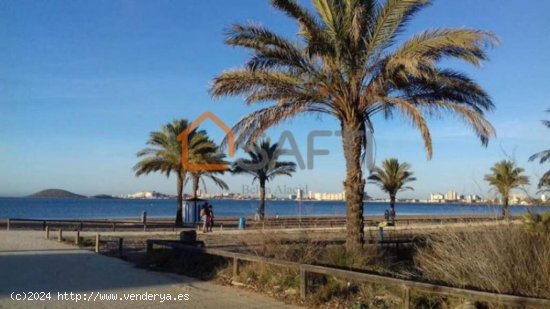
(29, 263)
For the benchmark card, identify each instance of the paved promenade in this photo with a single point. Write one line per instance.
(29, 263)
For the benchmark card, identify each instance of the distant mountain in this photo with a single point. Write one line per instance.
(55, 193)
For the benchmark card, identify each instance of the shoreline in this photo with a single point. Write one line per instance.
(271, 217)
(401, 202)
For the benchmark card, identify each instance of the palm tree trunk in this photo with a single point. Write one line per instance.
(261, 209)
(354, 186)
(195, 190)
(179, 211)
(505, 209)
(392, 202)
(195, 186)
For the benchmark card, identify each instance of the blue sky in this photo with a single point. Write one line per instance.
(82, 83)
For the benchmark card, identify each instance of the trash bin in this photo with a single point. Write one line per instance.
(242, 223)
(188, 236)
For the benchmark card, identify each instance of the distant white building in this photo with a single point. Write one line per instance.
(143, 195)
(472, 198)
(517, 198)
(437, 197)
(451, 196)
(329, 196)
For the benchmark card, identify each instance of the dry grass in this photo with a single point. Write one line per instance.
(507, 259)
(324, 291)
(306, 249)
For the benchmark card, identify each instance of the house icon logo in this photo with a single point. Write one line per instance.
(184, 139)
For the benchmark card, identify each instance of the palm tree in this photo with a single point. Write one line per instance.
(347, 64)
(208, 154)
(543, 156)
(165, 155)
(263, 165)
(504, 177)
(211, 156)
(392, 178)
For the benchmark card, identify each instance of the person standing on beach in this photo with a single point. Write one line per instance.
(392, 216)
(204, 218)
(210, 217)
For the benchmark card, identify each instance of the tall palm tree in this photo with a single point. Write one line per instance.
(543, 156)
(263, 165)
(347, 64)
(504, 177)
(164, 155)
(392, 178)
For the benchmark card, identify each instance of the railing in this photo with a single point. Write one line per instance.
(340, 221)
(78, 240)
(406, 285)
(231, 222)
(80, 224)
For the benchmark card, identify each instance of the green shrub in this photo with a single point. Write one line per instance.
(537, 223)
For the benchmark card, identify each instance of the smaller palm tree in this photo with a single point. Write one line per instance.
(392, 178)
(164, 155)
(263, 165)
(505, 177)
(543, 156)
(209, 155)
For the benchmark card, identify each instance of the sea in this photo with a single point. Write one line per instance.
(90, 208)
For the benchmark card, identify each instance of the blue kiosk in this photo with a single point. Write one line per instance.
(192, 211)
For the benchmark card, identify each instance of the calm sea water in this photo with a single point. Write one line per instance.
(120, 208)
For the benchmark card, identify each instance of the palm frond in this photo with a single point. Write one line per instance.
(542, 156)
(271, 50)
(250, 127)
(247, 82)
(154, 164)
(433, 45)
(294, 10)
(392, 17)
(416, 118)
(544, 183)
